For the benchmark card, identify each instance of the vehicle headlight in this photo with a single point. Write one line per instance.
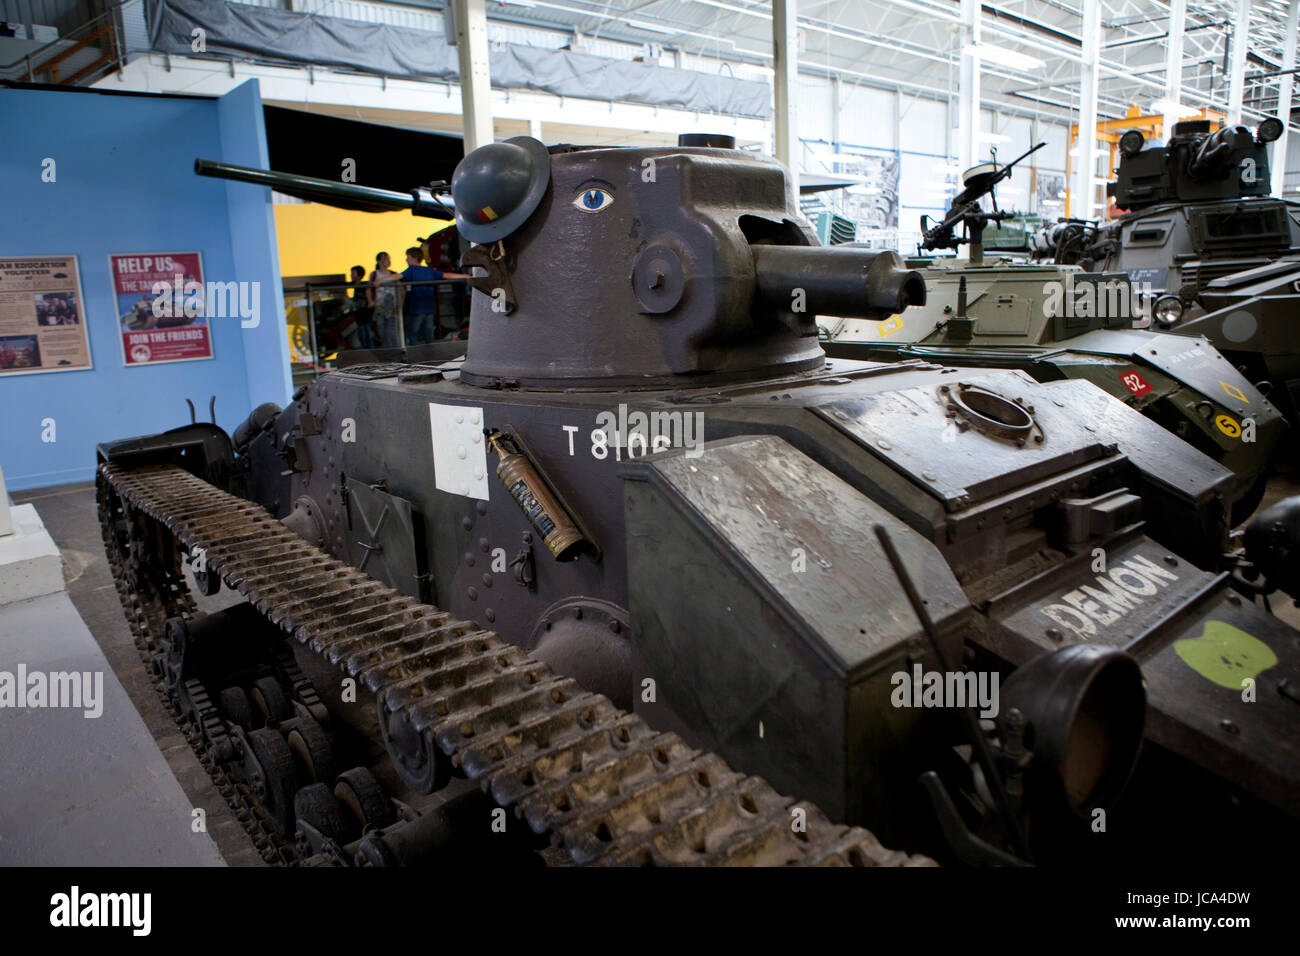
(1168, 309)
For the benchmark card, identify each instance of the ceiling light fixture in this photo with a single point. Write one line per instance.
(1000, 54)
(1172, 107)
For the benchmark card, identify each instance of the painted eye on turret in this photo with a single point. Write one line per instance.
(593, 199)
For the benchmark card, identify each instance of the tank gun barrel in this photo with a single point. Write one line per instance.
(837, 280)
(420, 202)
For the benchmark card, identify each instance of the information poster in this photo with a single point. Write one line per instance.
(42, 316)
(160, 307)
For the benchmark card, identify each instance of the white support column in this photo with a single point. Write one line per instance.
(1085, 190)
(535, 130)
(785, 64)
(968, 87)
(1278, 159)
(475, 80)
(1237, 63)
(837, 95)
(1174, 61)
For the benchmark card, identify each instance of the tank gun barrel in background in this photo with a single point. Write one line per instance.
(837, 280)
(420, 202)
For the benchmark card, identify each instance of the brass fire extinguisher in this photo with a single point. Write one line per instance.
(535, 499)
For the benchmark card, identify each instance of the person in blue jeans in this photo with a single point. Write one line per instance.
(422, 325)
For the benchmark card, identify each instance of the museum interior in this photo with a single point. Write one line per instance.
(650, 433)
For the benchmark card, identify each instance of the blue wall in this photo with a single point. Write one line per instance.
(126, 184)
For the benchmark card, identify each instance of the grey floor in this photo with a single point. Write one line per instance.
(85, 787)
(69, 515)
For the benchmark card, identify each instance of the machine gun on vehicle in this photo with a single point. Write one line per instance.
(978, 182)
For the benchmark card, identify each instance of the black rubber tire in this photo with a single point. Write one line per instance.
(361, 794)
(311, 746)
(270, 698)
(315, 804)
(238, 708)
(281, 774)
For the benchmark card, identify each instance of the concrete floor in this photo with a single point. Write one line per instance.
(70, 516)
(84, 786)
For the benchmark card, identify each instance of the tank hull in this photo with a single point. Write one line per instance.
(721, 539)
(1058, 323)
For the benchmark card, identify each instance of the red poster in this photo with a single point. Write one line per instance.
(161, 307)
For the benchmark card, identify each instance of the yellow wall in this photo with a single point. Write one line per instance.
(318, 240)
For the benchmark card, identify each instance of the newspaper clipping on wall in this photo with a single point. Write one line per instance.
(42, 316)
(161, 312)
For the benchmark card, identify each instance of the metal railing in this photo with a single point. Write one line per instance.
(322, 320)
(101, 34)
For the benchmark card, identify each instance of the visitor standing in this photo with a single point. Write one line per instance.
(383, 294)
(423, 326)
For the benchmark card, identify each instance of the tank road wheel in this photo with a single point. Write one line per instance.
(359, 791)
(238, 708)
(207, 581)
(273, 777)
(174, 658)
(271, 700)
(311, 745)
(422, 767)
(315, 805)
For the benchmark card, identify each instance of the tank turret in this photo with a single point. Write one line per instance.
(665, 262)
(1196, 164)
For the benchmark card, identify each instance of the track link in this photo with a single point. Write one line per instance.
(600, 781)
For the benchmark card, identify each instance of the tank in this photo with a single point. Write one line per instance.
(1059, 322)
(1215, 254)
(644, 560)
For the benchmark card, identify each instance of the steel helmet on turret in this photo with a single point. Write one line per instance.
(497, 187)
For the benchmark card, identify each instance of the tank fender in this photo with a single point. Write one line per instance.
(770, 616)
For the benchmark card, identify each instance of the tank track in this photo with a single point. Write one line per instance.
(149, 603)
(598, 780)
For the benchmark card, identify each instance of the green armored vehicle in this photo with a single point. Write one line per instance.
(1060, 322)
(1219, 256)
